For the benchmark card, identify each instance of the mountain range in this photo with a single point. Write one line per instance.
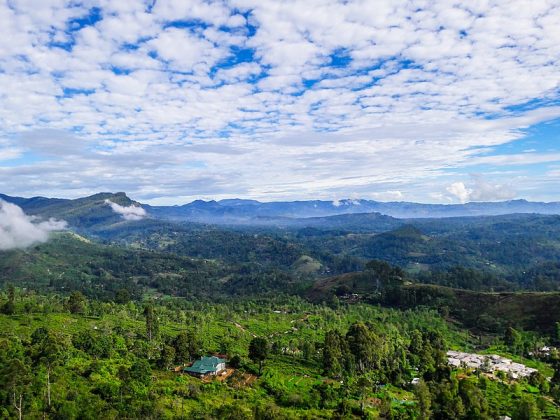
(314, 213)
(284, 242)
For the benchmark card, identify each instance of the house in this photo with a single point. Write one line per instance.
(206, 366)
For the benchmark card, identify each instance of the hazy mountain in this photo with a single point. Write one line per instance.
(344, 214)
(236, 211)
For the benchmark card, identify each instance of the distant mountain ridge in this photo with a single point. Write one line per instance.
(313, 213)
(234, 209)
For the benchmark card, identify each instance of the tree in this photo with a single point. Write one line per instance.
(135, 381)
(47, 350)
(76, 302)
(15, 377)
(384, 271)
(363, 346)
(167, 357)
(363, 385)
(226, 344)
(329, 393)
(235, 361)
(308, 349)
(233, 411)
(152, 323)
(513, 339)
(93, 343)
(332, 354)
(527, 409)
(422, 393)
(474, 401)
(187, 346)
(258, 351)
(141, 372)
(538, 379)
(122, 296)
(9, 308)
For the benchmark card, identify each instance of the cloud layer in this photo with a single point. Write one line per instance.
(17, 230)
(128, 213)
(272, 99)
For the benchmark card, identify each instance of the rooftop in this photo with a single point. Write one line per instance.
(205, 365)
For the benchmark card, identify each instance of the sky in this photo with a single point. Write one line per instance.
(177, 100)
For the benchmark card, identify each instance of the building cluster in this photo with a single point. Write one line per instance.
(488, 363)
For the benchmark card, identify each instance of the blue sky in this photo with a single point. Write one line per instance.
(178, 100)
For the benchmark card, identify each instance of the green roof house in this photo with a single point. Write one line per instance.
(206, 366)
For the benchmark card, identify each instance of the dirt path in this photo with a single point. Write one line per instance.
(240, 327)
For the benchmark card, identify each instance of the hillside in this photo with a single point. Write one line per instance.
(521, 250)
(247, 267)
(70, 262)
(482, 311)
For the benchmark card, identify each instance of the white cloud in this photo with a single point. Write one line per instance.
(128, 213)
(391, 195)
(341, 97)
(480, 190)
(17, 230)
(459, 190)
(9, 153)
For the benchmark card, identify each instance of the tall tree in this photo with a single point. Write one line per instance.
(308, 349)
(15, 377)
(424, 398)
(47, 350)
(9, 308)
(187, 346)
(332, 354)
(513, 339)
(363, 345)
(152, 323)
(167, 356)
(258, 351)
(122, 296)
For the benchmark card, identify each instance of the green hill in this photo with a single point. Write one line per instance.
(482, 311)
(70, 262)
(82, 213)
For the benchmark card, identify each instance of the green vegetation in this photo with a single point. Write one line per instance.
(115, 360)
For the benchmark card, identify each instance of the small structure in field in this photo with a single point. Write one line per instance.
(206, 366)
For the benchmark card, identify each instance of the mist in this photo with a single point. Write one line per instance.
(18, 230)
(128, 213)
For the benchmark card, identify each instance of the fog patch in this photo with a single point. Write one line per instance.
(128, 213)
(18, 230)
